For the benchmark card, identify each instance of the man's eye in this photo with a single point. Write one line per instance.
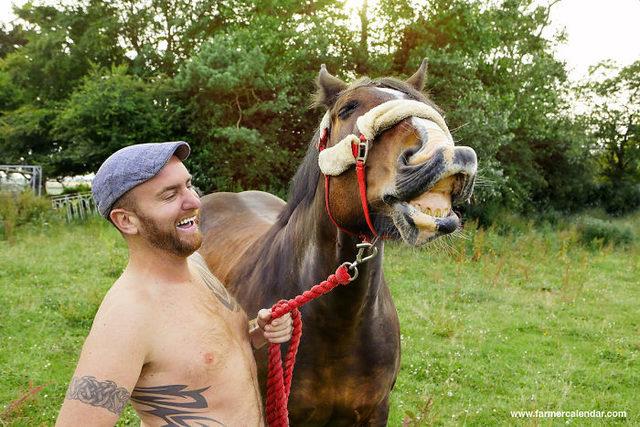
(169, 196)
(347, 109)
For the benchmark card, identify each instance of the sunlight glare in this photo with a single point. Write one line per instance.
(353, 7)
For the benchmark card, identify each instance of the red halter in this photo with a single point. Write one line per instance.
(360, 152)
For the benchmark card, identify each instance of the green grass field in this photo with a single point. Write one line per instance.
(491, 323)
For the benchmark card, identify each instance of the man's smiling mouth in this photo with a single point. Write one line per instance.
(187, 223)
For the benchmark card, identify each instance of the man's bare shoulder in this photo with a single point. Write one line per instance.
(126, 310)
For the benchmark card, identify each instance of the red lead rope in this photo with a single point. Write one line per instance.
(279, 379)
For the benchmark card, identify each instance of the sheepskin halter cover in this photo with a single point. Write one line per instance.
(335, 160)
(354, 149)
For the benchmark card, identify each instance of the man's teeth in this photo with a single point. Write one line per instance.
(187, 221)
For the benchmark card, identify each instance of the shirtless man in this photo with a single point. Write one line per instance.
(167, 335)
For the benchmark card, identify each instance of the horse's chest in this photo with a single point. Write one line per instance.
(343, 400)
(344, 390)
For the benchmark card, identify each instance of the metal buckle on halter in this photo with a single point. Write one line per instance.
(363, 247)
(363, 149)
(366, 246)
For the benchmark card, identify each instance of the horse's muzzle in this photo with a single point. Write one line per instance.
(414, 180)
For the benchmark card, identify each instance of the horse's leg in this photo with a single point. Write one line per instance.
(380, 414)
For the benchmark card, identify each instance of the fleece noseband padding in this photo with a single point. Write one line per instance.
(338, 158)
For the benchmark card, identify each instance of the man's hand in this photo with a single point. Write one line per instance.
(277, 331)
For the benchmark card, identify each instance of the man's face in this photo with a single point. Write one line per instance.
(167, 207)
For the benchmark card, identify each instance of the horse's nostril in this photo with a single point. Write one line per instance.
(407, 154)
(448, 225)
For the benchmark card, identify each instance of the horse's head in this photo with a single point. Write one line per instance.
(414, 173)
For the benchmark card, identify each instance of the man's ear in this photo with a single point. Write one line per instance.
(126, 221)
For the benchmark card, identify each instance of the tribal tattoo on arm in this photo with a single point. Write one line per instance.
(175, 404)
(104, 394)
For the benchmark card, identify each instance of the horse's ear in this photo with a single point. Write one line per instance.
(417, 80)
(328, 87)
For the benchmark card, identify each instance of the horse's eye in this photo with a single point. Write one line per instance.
(347, 109)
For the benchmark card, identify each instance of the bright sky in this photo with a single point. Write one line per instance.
(597, 30)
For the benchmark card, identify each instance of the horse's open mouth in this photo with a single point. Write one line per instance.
(428, 215)
(425, 192)
(417, 227)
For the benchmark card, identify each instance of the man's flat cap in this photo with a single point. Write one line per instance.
(131, 166)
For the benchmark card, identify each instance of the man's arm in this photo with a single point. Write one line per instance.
(262, 330)
(108, 369)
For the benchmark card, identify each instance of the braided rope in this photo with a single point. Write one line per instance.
(279, 378)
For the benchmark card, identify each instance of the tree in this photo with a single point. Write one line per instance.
(63, 44)
(614, 121)
(247, 94)
(25, 135)
(108, 111)
(161, 34)
(494, 74)
(12, 37)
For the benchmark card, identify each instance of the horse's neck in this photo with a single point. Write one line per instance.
(320, 249)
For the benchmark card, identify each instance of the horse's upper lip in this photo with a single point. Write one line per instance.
(414, 180)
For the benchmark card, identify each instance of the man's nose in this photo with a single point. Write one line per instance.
(191, 201)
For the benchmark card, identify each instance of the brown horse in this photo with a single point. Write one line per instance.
(264, 249)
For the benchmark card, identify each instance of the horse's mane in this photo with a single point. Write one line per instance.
(304, 183)
(303, 186)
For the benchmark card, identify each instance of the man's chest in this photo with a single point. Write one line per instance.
(201, 365)
(197, 332)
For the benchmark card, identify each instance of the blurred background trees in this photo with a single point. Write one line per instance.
(235, 78)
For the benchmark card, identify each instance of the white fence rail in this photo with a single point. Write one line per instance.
(31, 172)
(77, 206)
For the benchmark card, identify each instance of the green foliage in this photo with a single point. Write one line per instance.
(596, 233)
(247, 114)
(25, 136)
(78, 81)
(620, 197)
(614, 122)
(234, 104)
(25, 208)
(11, 38)
(11, 96)
(63, 43)
(80, 188)
(110, 110)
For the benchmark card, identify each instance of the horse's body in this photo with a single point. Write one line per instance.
(350, 349)
(264, 250)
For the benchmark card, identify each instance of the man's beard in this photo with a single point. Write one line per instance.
(169, 240)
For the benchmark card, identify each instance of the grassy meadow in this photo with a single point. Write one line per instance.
(510, 318)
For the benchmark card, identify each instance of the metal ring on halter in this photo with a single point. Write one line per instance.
(363, 247)
(352, 267)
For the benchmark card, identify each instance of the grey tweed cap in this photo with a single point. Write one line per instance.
(131, 166)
